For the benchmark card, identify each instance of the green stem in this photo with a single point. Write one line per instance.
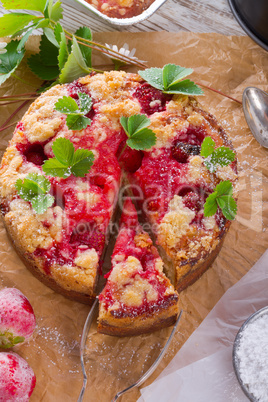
(22, 80)
(219, 92)
(104, 49)
(121, 153)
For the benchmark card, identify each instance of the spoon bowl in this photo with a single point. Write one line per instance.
(255, 106)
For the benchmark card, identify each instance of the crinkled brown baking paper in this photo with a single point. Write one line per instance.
(228, 64)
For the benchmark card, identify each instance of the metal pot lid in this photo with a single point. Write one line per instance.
(252, 17)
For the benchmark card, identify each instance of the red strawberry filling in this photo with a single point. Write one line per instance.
(160, 179)
(151, 99)
(181, 151)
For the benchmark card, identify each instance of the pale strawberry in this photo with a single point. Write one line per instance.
(17, 379)
(17, 319)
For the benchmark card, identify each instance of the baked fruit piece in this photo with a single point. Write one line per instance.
(63, 246)
(137, 298)
(175, 184)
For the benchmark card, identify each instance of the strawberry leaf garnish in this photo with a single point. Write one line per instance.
(169, 79)
(10, 60)
(67, 161)
(35, 188)
(139, 136)
(222, 197)
(76, 119)
(35, 5)
(214, 157)
(45, 63)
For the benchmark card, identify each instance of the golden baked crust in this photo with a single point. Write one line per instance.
(138, 297)
(187, 244)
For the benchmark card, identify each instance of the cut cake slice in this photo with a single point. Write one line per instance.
(138, 298)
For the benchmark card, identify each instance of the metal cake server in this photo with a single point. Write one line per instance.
(255, 106)
(141, 379)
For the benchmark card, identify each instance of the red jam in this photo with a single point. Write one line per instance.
(152, 100)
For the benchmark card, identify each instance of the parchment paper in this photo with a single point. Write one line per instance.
(228, 64)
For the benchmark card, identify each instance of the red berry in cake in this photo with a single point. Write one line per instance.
(151, 99)
(192, 201)
(85, 235)
(181, 151)
(17, 319)
(17, 379)
(130, 159)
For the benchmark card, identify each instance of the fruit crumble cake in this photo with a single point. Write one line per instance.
(137, 297)
(120, 8)
(63, 245)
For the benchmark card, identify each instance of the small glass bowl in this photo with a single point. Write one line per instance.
(236, 360)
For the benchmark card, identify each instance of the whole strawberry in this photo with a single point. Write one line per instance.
(17, 319)
(17, 379)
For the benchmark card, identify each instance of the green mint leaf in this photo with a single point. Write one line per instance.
(141, 140)
(85, 102)
(66, 105)
(77, 122)
(55, 11)
(11, 23)
(222, 198)
(10, 60)
(207, 147)
(63, 150)
(85, 32)
(172, 74)
(185, 87)
(82, 162)
(211, 206)
(35, 5)
(42, 202)
(153, 76)
(53, 167)
(75, 65)
(47, 73)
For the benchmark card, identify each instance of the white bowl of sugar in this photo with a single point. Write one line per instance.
(250, 356)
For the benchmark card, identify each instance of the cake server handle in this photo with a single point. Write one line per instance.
(153, 366)
(83, 345)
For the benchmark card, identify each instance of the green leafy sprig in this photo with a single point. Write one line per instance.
(67, 161)
(76, 119)
(222, 197)
(170, 80)
(62, 56)
(214, 157)
(35, 189)
(139, 136)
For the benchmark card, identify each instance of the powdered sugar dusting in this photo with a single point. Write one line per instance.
(253, 358)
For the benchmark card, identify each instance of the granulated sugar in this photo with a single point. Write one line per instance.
(253, 357)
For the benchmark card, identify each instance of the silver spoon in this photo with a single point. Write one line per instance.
(255, 106)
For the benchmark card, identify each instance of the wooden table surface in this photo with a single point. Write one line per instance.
(173, 16)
